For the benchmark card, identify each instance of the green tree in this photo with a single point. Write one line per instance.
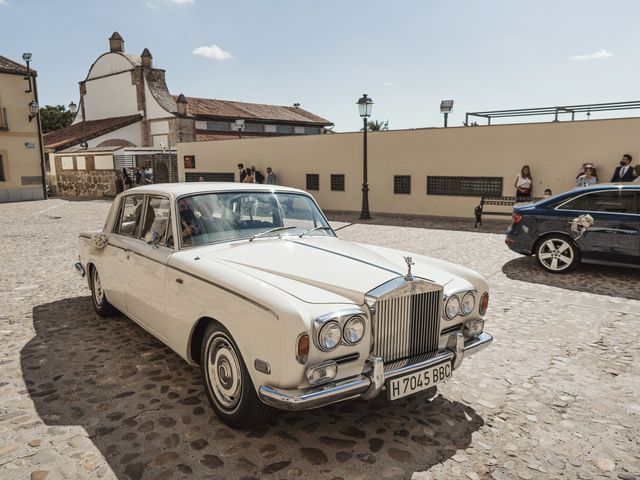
(377, 125)
(55, 118)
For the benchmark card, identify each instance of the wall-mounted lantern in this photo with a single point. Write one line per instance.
(34, 108)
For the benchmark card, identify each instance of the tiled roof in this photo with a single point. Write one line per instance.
(207, 107)
(74, 134)
(9, 66)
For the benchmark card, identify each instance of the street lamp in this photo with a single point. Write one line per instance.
(239, 126)
(34, 108)
(365, 105)
(73, 108)
(446, 106)
(27, 58)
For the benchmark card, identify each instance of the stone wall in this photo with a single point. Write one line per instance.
(96, 183)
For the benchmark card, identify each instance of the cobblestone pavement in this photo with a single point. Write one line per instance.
(555, 396)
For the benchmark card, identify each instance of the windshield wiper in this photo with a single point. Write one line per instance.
(277, 229)
(313, 230)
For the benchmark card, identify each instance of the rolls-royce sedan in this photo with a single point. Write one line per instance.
(251, 283)
(547, 228)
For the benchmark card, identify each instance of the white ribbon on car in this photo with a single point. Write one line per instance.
(99, 240)
(581, 224)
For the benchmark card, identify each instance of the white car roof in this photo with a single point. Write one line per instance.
(186, 188)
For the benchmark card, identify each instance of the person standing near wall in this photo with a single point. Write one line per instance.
(590, 177)
(241, 172)
(248, 176)
(524, 183)
(272, 178)
(625, 172)
(126, 179)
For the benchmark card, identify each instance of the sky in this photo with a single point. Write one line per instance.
(406, 55)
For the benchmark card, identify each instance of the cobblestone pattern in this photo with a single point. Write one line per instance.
(555, 396)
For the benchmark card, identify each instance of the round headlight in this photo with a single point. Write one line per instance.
(452, 307)
(329, 336)
(468, 303)
(353, 330)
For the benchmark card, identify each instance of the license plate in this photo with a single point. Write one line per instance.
(418, 381)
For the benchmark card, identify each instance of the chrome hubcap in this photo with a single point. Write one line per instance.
(555, 254)
(98, 293)
(224, 372)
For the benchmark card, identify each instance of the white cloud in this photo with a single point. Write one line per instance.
(181, 2)
(4, 2)
(599, 55)
(389, 84)
(157, 3)
(213, 52)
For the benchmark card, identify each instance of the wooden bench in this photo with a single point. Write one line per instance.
(500, 202)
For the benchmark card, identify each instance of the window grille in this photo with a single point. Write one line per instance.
(219, 126)
(402, 184)
(337, 182)
(253, 127)
(313, 181)
(209, 176)
(312, 130)
(465, 186)
(284, 128)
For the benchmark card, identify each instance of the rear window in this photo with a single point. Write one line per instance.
(614, 201)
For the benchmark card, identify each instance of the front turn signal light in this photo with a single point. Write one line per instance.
(484, 303)
(302, 348)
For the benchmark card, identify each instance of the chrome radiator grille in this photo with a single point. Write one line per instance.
(408, 325)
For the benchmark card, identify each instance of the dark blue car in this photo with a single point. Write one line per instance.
(544, 229)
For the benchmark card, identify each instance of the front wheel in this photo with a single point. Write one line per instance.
(227, 382)
(557, 254)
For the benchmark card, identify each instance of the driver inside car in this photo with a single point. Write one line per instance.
(188, 222)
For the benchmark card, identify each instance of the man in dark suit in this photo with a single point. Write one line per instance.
(241, 172)
(624, 173)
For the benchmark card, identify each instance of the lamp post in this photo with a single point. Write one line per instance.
(446, 106)
(239, 126)
(365, 105)
(34, 108)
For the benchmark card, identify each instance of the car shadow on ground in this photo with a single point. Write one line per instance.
(145, 410)
(598, 279)
(420, 221)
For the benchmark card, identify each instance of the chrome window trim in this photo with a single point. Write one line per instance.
(619, 189)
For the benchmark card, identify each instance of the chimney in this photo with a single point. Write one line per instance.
(183, 107)
(116, 43)
(147, 59)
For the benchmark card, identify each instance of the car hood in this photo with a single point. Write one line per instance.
(323, 269)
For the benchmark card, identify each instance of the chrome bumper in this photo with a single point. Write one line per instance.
(80, 269)
(371, 383)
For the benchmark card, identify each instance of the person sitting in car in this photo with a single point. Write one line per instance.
(188, 222)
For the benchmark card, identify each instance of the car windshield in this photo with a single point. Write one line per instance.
(222, 217)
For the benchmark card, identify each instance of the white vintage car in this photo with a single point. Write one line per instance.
(251, 283)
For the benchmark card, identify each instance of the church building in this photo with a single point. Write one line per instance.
(126, 110)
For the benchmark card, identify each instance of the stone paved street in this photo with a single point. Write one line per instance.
(557, 395)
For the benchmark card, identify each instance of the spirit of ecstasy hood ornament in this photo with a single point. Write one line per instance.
(409, 277)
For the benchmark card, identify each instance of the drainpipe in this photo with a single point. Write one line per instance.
(42, 169)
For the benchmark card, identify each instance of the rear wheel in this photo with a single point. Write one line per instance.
(557, 254)
(100, 302)
(227, 381)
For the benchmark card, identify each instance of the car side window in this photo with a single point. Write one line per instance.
(614, 201)
(131, 215)
(156, 220)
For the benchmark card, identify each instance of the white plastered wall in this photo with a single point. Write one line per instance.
(131, 133)
(109, 64)
(113, 96)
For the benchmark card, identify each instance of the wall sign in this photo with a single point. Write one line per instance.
(29, 145)
(189, 161)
